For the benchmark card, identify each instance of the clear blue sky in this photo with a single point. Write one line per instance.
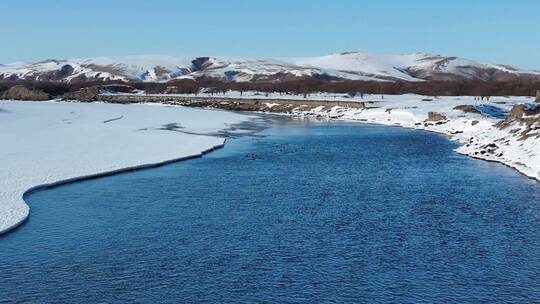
(501, 31)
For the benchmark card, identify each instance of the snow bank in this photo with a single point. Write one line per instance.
(468, 120)
(46, 143)
(474, 128)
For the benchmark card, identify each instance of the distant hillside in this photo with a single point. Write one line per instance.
(345, 66)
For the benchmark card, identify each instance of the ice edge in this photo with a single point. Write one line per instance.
(22, 220)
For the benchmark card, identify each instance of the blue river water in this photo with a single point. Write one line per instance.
(303, 213)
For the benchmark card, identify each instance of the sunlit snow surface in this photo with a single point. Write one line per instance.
(45, 143)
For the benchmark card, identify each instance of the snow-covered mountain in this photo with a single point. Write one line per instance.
(350, 65)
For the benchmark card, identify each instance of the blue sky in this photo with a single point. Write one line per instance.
(501, 31)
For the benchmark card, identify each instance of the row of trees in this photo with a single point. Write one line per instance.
(431, 88)
(307, 86)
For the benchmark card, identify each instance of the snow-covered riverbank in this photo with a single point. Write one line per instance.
(49, 142)
(482, 127)
(44, 143)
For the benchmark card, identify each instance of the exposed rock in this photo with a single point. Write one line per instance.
(85, 94)
(231, 104)
(200, 63)
(105, 70)
(57, 75)
(20, 92)
(522, 113)
(435, 116)
(525, 115)
(467, 109)
(538, 96)
(161, 71)
(92, 93)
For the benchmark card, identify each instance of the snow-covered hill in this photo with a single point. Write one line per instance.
(350, 65)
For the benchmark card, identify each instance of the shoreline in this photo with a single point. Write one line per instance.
(220, 146)
(52, 144)
(308, 115)
(451, 138)
(99, 175)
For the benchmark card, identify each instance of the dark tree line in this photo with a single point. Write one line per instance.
(305, 87)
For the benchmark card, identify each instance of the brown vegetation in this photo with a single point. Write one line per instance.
(467, 109)
(435, 116)
(303, 87)
(20, 92)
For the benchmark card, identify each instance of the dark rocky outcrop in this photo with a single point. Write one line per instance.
(436, 117)
(85, 94)
(519, 112)
(527, 115)
(200, 63)
(20, 92)
(57, 75)
(467, 109)
(231, 104)
(92, 93)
